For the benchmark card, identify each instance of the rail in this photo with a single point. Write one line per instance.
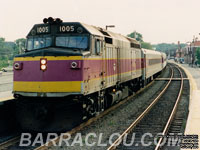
(119, 140)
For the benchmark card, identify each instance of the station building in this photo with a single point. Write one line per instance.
(188, 53)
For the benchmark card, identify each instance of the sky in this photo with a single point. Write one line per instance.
(159, 21)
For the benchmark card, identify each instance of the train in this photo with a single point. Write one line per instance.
(77, 67)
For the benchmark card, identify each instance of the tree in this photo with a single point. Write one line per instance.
(9, 49)
(136, 35)
(198, 55)
(166, 47)
(20, 45)
(146, 45)
(139, 37)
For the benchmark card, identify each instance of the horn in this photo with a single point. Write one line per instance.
(58, 20)
(45, 20)
(50, 20)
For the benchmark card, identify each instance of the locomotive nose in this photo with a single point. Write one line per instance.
(48, 75)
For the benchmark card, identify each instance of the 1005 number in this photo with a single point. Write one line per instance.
(42, 30)
(66, 29)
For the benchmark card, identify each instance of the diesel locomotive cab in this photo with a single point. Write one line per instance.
(71, 36)
(49, 76)
(53, 46)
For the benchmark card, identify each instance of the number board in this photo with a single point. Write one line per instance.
(70, 28)
(64, 28)
(39, 30)
(42, 29)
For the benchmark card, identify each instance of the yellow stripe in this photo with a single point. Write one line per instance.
(37, 58)
(116, 58)
(48, 58)
(63, 86)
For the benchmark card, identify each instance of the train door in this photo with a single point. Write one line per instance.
(104, 65)
(143, 65)
(118, 65)
(133, 62)
(110, 65)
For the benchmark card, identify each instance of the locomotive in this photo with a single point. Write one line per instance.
(69, 63)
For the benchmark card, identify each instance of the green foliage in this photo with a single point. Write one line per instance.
(3, 63)
(20, 44)
(136, 35)
(139, 37)
(9, 49)
(166, 47)
(146, 45)
(198, 55)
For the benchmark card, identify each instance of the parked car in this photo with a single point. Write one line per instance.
(181, 60)
(7, 69)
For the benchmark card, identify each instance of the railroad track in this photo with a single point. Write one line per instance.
(85, 124)
(14, 143)
(10, 142)
(76, 129)
(151, 120)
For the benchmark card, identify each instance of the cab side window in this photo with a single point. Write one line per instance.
(98, 46)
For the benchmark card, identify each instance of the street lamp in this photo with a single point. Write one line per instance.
(189, 52)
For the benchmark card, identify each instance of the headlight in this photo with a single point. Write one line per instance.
(18, 66)
(43, 61)
(43, 64)
(74, 65)
(43, 67)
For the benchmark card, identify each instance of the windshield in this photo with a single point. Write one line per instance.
(80, 42)
(38, 42)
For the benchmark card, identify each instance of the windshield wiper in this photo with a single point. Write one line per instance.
(77, 49)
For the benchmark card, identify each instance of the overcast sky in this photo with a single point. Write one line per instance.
(157, 20)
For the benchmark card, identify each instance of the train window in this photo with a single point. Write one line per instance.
(98, 46)
(80, 42)
(135, 45)
(30, 44)
(108, 40)
(37, 43)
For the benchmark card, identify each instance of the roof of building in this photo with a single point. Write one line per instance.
(196, 43)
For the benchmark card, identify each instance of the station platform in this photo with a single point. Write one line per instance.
(5, 96)
(193, 121)
(6, 85)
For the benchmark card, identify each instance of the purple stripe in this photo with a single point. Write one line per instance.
(61, 71)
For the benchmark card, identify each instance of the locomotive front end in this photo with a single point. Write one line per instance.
(48, 77)
(53, 63)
